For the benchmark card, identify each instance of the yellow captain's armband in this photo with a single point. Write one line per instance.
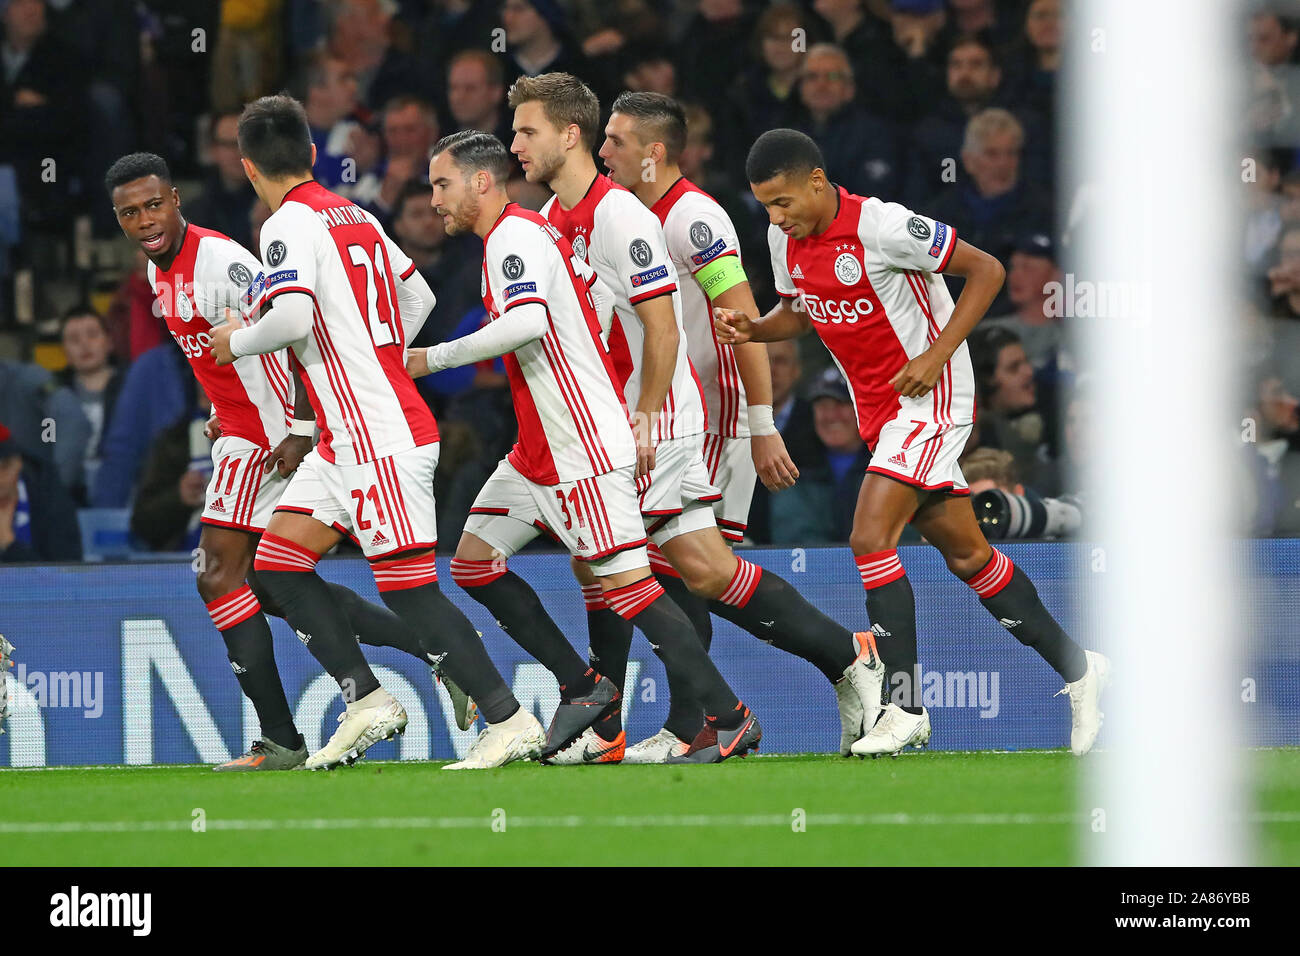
(720, 275)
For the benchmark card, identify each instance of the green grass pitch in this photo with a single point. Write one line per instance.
(920, 809)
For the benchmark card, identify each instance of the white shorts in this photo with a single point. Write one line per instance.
(596, 519)
(921, 454)
(240, 495)
(730, 463)
(679, 478)
(386, 506)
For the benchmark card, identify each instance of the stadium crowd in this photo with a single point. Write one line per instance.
(947, 107)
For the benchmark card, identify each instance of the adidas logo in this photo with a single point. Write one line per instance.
(218, 506)
(303, 636)
(899, 459)
(378, 539)
(582, 545)
(879, 631)
(1009, 622)
(235, 666)
(797, 274)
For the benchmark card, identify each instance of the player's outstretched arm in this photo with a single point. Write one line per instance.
(771, 460)
(983, 274)
(519, 326)
(287, 320)
(786, 321)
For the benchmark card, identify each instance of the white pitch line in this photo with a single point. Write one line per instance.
(573, 822)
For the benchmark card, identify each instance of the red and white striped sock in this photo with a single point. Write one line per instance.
(400, 574)
(993, 577)
(658, 563)
(744, 581)
(631, 599)
(471, 574)
(879, 568)
(275, 553)
(593, 597)
(233, 608)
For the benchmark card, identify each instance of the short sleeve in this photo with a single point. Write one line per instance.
(224, 272)
(776, 244)
(710, 236)
(519, 264)
(289, 252)
(907, 240)
(641, 260)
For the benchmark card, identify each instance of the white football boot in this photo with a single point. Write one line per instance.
(518, 737)
(657, 749)
(375, 717)
(1085, 695)
(895, 730)
(858, 693)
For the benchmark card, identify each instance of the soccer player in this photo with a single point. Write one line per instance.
(196, 274)
(573, 471)
(556, 122)
(347, 299)
(865, 274)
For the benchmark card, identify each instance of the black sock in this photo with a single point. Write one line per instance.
(685, 714)
(442, 630)
(252, 657)
(377, 626)
(610, 639)
(310, 609)
(776, 613)
(669, 631)
(1014, 601)
(891, 607)
(371, 624)
(519, 612)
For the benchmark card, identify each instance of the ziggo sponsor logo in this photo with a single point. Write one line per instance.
(194, 346)
(836, 311)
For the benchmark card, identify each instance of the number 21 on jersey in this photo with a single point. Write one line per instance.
(377, 303)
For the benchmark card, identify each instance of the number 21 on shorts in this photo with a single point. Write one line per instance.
(360, 497)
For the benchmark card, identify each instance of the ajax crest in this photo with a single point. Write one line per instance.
(183, 307)
(847, 269)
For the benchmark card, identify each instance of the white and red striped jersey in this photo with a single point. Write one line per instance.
(253, 397)
(354, 358)
(871, 286)
(699, 231)
(623, 241)
(572, 420)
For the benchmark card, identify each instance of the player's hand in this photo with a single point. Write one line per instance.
(192, 488)
(221, 341)
(772, 462)
(918, 376)
(288, 455)
(417, 362)
(732, 327)
(212, 428)
(643, 429)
